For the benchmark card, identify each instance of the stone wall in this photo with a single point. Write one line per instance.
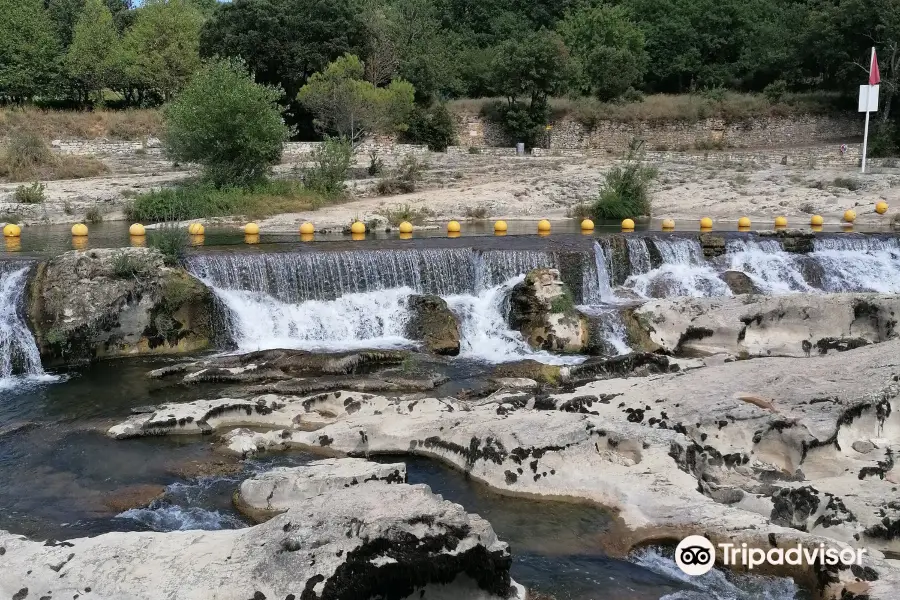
(770, 132)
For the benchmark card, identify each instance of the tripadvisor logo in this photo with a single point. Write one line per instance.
(696, 555)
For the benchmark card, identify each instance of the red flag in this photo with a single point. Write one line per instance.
(874, 74)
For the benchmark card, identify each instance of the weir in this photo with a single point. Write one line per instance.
(19, 354)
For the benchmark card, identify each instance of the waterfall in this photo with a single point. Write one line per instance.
(683, 272)
(772, 269)
(596, 286)
(19, 354)
(638, 255)
(858, 264)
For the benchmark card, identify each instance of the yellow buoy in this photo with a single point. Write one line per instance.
(816, 227)
(544, 226)
(137, 230)
(744, 222)
(405, 236)
(12, 231)
(79, 242)
(307, 229)
(251, 229)
(587, 225)
(358, 237)
(668, 224)
(406, 227)
(196, 239)
(13, 244)
(358, 227)
(453, 234)
(816, 221)
(881, 207)
(500, 227)
(307, 237)
(251, 238)
(780, 221)
(79, 230)
(453, 227)
(138, 241)
(196, 229)
(706, 223)
(850, 216)
(627, 225)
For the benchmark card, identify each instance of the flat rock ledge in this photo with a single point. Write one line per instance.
(376, 539)
(280, 489)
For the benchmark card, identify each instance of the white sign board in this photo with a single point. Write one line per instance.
(868, 98)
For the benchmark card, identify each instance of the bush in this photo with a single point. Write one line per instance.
(476, 212)
(775, 91)
(171, 241)
(522, 122)
(30, 194)
(848, 183)
(227, 123)
(376, 165)
(330, 164)
(405, 178)
(433, 126)
(625, 192)
(93, 215)
(884, 140)
(127, 265)
(26, 154)
(397, 215)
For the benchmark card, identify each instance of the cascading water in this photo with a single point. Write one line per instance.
(773, 270)
(683, 271)
(858, 264)
(19, 354)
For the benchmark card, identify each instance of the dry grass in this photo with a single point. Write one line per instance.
(132, 124)
(663, 108)
(57, 167)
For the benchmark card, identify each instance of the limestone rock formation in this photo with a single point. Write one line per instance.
(432, 322)
(541, 307)
(106, 303)
(790, 325)
(739, 283)
(371, 540)
(273, 492)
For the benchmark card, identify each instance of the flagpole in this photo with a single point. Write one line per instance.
(866, 133)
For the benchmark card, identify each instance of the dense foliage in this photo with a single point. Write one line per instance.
(522, 51)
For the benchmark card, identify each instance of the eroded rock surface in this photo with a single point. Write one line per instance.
(122, 302)
(792, 325)
(542, 308)
(433, 323)
(373, 540)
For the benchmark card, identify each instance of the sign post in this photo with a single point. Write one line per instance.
(868, 101)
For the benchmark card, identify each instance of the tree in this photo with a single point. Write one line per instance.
(607, 48)
(284, 42)
(227, 123)
(162, 48)
(347, 106)
(29, 52)
(65, 13)
(534, 68)
(92, 60)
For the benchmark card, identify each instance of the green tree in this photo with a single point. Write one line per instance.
(29, 52)
(65, 13)
(607, 49)
(346, 105)
(527, 72)
(162, 48)
(92, 60)
(227, 123)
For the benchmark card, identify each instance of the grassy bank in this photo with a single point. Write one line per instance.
(132, 124)
(690, 108)
(196, 201)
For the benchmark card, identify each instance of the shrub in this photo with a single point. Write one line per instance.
(330, 164)
(523, 122)
(171, 241)
(433, 126)
(397, 215)
(775, 91)
(625, 192)
(93, 215)
(405, 178)
(580, 211)
(30, 194)
(884, 140)
(474, 150)
(26, 154)
(376, 165)
(848, 183)
(476, 212)
(227, 123)
(127, 265)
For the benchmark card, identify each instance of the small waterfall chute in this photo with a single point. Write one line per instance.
(19, 354)
(858, 264)
(773, 270)
(683, 272)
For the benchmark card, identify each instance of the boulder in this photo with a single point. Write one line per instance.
(542, 309)
(749, 326)
(366, 541)
(116, 302)
(433, 323)
(739, 283)
(135, 496)
(274, 492)
(713, 245)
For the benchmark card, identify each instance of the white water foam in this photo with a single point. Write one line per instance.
(858, 264)
(683, 272)
(178, 518)
(20, 359)
(772, 269)
(715, 585)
